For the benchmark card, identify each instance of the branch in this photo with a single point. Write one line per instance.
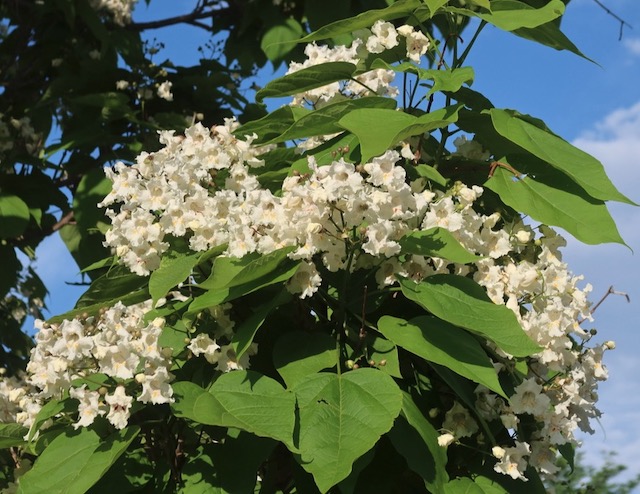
(619, 19)
(191, 18)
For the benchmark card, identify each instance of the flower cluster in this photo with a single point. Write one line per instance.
(382, 36)
(119, 10)
(19, 131)
(104, 362)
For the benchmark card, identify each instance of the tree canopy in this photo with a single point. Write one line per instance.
(360, 290)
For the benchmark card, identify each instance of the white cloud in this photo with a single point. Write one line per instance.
(633, 45)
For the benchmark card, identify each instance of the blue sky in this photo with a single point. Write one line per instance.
(595, 106)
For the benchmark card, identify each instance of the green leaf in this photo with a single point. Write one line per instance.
(273, 124)
(510, 15)
(432, 174)
(246, 331)
(245, 400)
(443, 79)
(583, 168)
(12, 435)
(325, 120)
(379, 129)
(489, 486)
(135, 297)
(384, 351)
(227, 467)
(49, 410)
(298, 354)
(232, 277)
(436, 242)
(306, 79)
(437, 341)
(562, 204)
(341, 418)
(73, 462)
(116, 283)
(14, 216)
(550, 35)
(462, 485)
(174, 268)
(401, 8)
(416, 439)
(276, 40)
(462, 302)
(92, 189)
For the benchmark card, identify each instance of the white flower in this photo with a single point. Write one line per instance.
(122, 84)
(89, 407)
(203, 345)
(417, 42)
(529, 398)
(446, 439)
(305, 281)
(155, 387)
(164, 91)
(459, 422)
(512, 460)
(119, 404)
(384, 37)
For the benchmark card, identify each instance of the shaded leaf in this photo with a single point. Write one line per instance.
(14, 216)
(437, 341)
(416, 439)
(298, 354)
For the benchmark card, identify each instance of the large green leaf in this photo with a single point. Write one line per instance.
(437, 341)
(416, 439)
(583, 168)
(73, 462)
(379, 129)
(401, 8)
(14, 216)
(12, 435)
(562, 204)
(276, 40)
(298, 354)
(510, 15)
(436, 242)
(174, 268)
(325, 120)
(245, 400)
(306, 79)
(463, 302)
(341, 418)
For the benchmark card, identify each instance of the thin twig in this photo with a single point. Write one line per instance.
(619, 19)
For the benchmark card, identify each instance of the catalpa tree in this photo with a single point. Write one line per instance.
(359, 292)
